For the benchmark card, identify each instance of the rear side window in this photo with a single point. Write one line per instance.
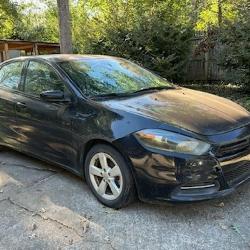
(10, 75)
(41, 77)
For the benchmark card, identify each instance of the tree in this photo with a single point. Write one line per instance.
(213, 13)
(37, 23)
(235, 40)
(8, 13)
(64, 26)
(155, 34)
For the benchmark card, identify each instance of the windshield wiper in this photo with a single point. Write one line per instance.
(109, 95)
(154, 88)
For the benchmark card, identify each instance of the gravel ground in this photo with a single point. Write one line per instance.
(45, 207)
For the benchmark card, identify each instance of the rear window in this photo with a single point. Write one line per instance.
(10, 75)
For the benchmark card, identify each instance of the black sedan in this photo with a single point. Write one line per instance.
(127, 131)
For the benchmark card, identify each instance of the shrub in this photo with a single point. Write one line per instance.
(235, 39)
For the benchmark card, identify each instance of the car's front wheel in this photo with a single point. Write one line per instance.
(109, 177)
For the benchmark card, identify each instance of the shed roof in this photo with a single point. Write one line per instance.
(27, 45)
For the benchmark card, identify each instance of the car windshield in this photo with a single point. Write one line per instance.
(105, 76)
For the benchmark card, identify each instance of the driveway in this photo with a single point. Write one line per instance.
(45, 207)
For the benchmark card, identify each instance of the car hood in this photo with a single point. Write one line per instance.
(196, 111)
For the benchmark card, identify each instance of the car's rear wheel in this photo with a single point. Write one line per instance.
(109, 177)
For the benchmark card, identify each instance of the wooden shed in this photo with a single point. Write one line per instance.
(14, 48)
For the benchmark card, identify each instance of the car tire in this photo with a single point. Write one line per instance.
(109, 176)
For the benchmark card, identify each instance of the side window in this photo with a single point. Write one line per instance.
(41, 77)
(10, 75)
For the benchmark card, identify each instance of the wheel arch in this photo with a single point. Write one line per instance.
(94, 142)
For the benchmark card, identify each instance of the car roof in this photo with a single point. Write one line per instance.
(62, 57)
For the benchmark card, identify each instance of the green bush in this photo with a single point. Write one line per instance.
(235, 39)
(159, 46)
(155, 34)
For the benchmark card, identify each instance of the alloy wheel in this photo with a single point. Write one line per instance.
(105, 176)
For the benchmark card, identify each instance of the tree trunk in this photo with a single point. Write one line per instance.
(64, 26)
(219, 13)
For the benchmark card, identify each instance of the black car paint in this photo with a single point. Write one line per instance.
(62, 133)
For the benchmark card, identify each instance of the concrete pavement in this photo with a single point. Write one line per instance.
(45, 207)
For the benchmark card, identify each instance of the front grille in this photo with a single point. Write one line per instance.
(235, 173)
(232, 149)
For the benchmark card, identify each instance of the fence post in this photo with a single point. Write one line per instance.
(35, 49)
(5, 52)
(206, 66)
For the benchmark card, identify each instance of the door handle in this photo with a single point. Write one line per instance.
(20, 105)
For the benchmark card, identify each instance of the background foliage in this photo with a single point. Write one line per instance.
(8, 15)
(154, 33)
(235, 38)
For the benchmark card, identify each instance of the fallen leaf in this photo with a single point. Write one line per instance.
(42, 210)
(235, 228)
(224, 227)
(85, 226)
(32, 236)
(34, 227)
(221, 204)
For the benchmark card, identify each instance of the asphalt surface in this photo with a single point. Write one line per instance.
(45, 207)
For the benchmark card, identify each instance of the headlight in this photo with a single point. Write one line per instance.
(170, 141)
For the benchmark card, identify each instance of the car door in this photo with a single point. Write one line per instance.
(45, 126)
(10, 78)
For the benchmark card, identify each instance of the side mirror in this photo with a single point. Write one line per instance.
(54, 96)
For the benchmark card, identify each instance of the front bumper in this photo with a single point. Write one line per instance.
(229, 175)
(201, 194)
(168, 176)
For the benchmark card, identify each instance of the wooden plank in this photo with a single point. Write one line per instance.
(206, 66)
(20, 46)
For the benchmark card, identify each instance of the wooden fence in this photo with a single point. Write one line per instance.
(203, 66)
